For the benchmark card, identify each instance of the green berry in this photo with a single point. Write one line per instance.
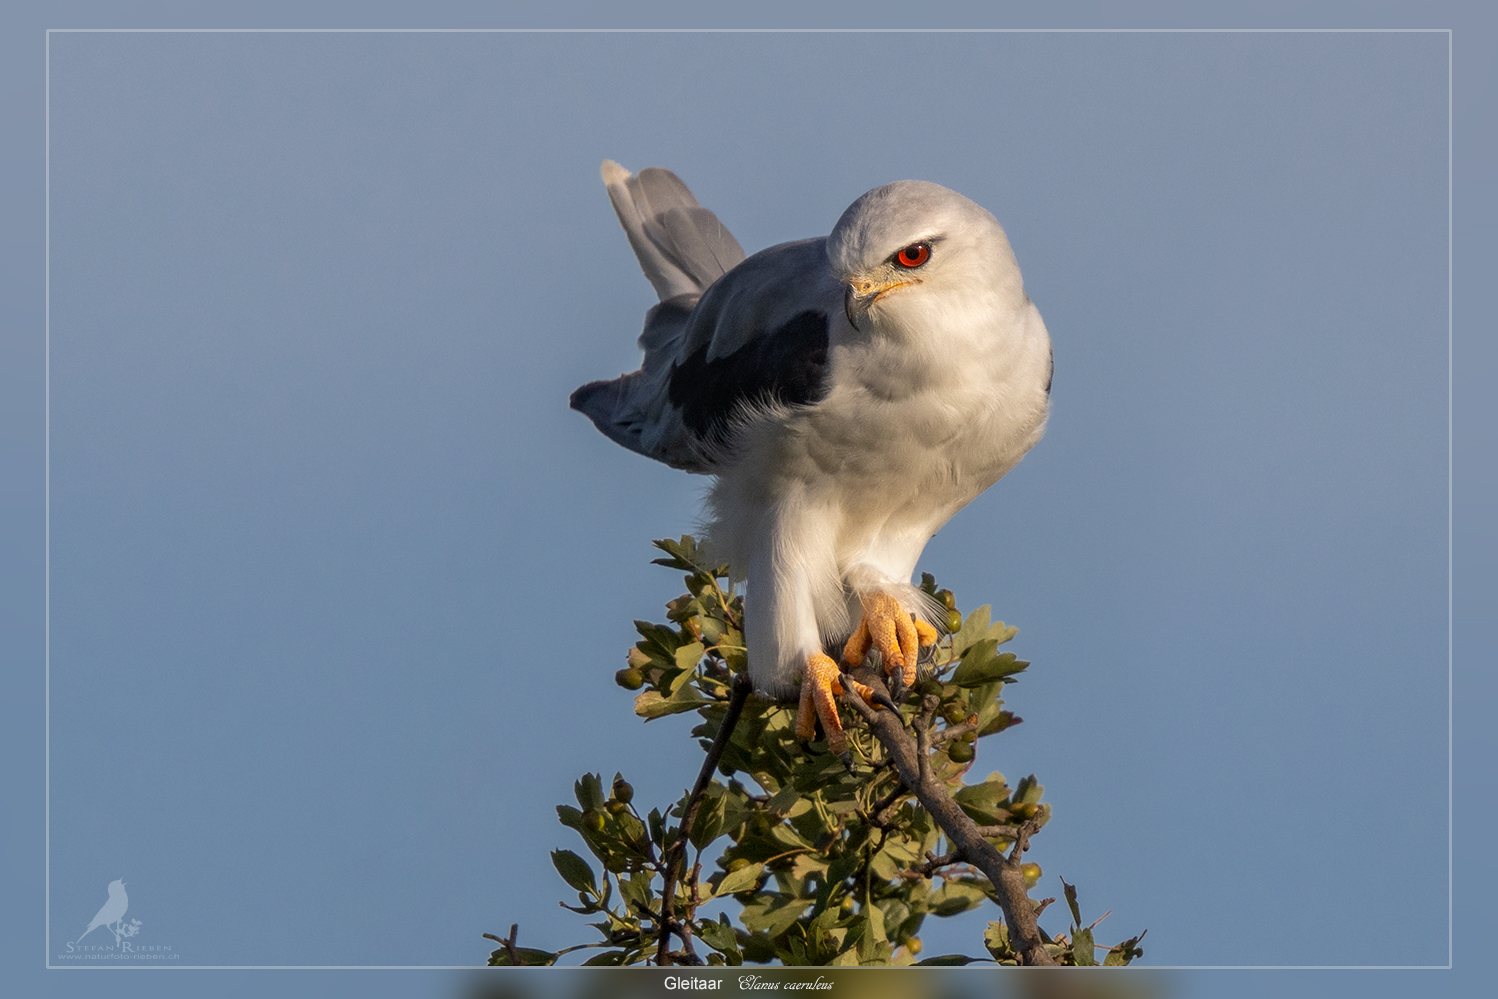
(960, 752)
(630, 678)
(593, 820)
(623, 791)
(954, 621)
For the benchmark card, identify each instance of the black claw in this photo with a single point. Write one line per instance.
(880, 697)
(897, 687)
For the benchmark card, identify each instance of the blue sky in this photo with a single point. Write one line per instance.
(338, 584)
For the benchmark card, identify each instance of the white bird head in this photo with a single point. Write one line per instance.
(913, 251)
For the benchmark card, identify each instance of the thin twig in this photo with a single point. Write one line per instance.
(1022, 836)
(922, 724)
(675, 855)
(800, 849)
(957, 731)
(933, 863)
(876, 812)
(509, 944)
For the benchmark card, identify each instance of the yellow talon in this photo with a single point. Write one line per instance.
(821, 681)
(898, 636)
(926, 633)
(818, 685)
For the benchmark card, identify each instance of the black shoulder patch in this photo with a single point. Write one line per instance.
(788, 366)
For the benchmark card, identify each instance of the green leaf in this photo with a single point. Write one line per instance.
(818, 773)
(650, 705)
(1125, 952)
(688, 656)
(678, 679)
(657, 827)
(998, 723)
(781, 801)
(575, 871)
(773, 914)
(884, 867)
(659, 642)
(981, 665)
(996, 939)
(720, 936)
(636, 891)
(684, 554)
(570, 817)
(687, 555)
(948, 960)
(1002, 632)
(709, 821)
(713, 630)
(984, 803)
(846, 959)
(529, 957)
(1029, 792)
(973, 629)
(1071, 902)
(589, 792)
(1081, 948)
(607, 959)
(873, 942)
(743, 879)
(956, 896)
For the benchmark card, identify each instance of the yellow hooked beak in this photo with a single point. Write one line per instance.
(862, 293)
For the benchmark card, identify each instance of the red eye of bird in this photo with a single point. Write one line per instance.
(913, 255)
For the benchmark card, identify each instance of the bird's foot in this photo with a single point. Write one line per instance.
(821, 681)
(898, 636)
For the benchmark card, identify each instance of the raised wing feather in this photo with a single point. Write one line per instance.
(681, 246)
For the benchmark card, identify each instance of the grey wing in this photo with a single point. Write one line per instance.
(759, 337)
(729, 332)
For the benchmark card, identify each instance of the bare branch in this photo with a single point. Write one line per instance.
(910, 756)
(675, 855)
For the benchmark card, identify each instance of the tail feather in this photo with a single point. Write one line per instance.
(681, 246)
